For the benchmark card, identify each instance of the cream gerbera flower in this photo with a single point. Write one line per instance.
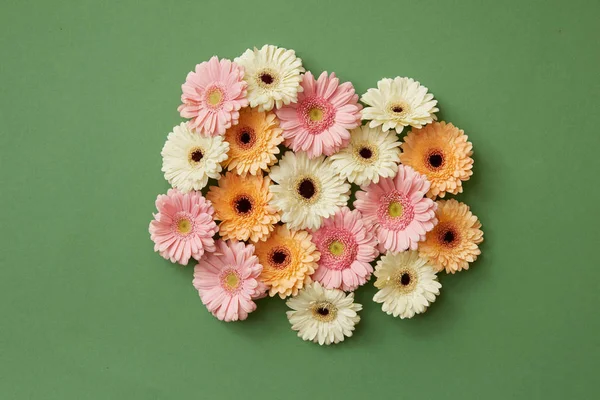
(190, 159)
(406, 283)
(273, 76)
(307, 191)
(371, 154)
(322, 315)
(242, 206)
(288, 258)
(253, 142)
(397, 103)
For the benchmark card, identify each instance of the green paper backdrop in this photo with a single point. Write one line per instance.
(89, 92)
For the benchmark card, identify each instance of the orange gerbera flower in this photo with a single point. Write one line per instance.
(441, 152)
(288, 259)
(253, 142)
(242, 206)
(453, 243)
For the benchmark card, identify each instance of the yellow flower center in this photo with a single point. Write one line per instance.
(315, 114)
(324, 311)
(215, 96)
(395, 209)
(231, 280)
(337, 248)
(184, 226)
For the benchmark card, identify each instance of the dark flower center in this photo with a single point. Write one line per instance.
(307, 189)
(405, 279)
(243, 205)
(197, 155)
(267, 79)
(323, 311)
(397, 109)
(245, 137)
(436, 160)
(448, 237)
(365, 153)
(278, 257)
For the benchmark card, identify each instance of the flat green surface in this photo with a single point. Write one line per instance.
(89, 91)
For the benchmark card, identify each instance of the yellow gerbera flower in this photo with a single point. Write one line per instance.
(453, 243)
(288, 259)
(253, 142)
(242, 206)
(441, 152)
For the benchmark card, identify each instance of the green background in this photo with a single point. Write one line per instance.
(88, 311)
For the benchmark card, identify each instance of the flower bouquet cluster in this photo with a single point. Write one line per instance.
(275, 150)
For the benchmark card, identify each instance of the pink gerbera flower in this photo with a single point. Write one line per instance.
(213, 95)
(227, 281)
(183, 226)
(347, 247)
(398, 210)
(319, 122)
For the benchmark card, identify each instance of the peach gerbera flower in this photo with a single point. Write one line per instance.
(253, 142)
(242, 206)
(441, 152)
(453, 243)
(288, 259)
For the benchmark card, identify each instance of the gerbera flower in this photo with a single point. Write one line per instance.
(322, 315)
(441, 152)
(227, 280)
(370, 155)
(242, 206)
(253, 142)
(288, 259)
(397, 103)
(307, 190)
(347, 246)
(190, 159)
(183, 226)
(407, 284)
(398, 209)
(212, 96)
(273, 76)
(453, 243)
(319, 122)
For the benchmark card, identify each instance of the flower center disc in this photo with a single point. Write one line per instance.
(243, 205)
(395, 209)
(214, 97)
(315, 114)
(404, 279)
(266, 78)
(337, 248)
(231, 281)
(307, 189)
(184, 226)
(365, 153)
(435, 160)
(280, 258)
(324, 311)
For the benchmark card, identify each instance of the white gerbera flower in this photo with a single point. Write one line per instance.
(371, 154)
(190, 159)
(308, 190)
(322, 315)
(397, 103)
(406, 283)
(273, 76)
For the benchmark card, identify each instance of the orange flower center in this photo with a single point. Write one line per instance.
(434, 159)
